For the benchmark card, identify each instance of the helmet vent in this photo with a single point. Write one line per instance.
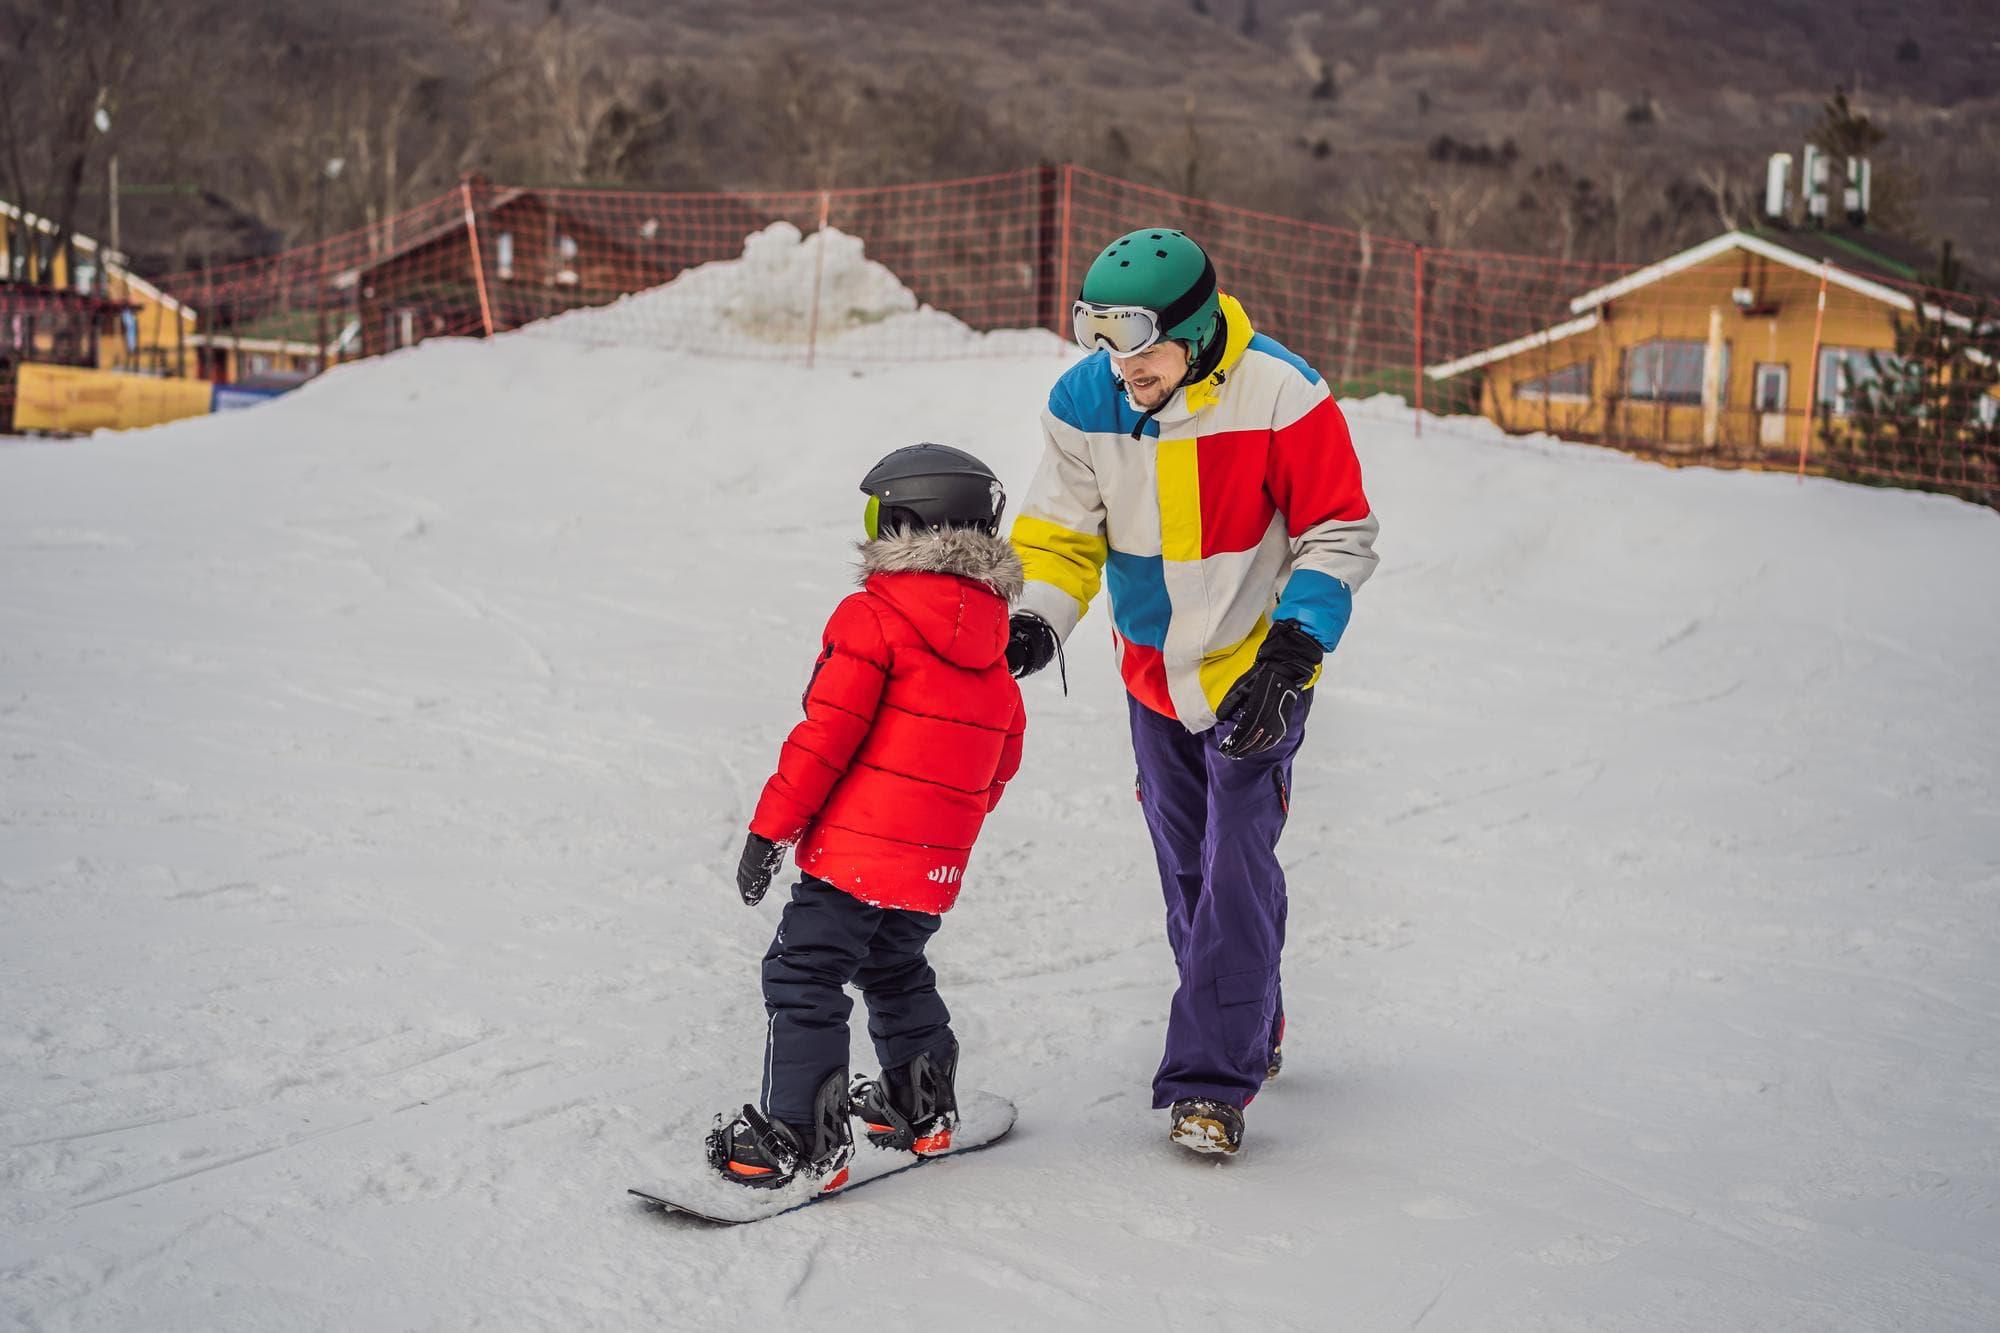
(1160, 253)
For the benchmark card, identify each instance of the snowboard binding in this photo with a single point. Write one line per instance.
(765, 1153)
(911, 1108)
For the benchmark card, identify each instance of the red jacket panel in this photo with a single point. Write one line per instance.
(912, 729)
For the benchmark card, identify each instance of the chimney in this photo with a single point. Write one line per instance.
(1778, 189)
(1856, 199)
(1812, 184)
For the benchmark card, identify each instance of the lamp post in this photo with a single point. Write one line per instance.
(334, 166)
(101, 118)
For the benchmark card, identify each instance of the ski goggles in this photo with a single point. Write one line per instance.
(1127, 330)
(1122, 330)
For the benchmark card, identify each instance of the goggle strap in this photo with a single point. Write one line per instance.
(1193, 299)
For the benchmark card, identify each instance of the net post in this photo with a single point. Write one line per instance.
(819, 269)
(1812, 372)
(1064, 289)
(1417, 367)
(478, 265)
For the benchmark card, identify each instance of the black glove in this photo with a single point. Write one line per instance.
(762, 859)
(1031, 644)
(1262, 701)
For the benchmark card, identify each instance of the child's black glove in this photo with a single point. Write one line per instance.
(1031, 644)
(1261, 702)
(762, 859)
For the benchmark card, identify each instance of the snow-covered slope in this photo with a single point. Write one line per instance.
(372, 767)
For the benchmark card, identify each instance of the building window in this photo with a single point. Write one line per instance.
(1843, 371)
(401, 327)
(566, 252)
(503, 263)
(1668, 370)
(1774, 392)
(1571, 384)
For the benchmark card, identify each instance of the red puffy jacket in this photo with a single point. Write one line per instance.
(912, 725)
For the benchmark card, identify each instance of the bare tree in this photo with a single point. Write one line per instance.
(1723, 187)
(64, 70)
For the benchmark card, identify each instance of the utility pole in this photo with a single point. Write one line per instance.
(117, 243)
(334, 166)
(101, 118)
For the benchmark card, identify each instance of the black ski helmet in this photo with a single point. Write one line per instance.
(933, 486)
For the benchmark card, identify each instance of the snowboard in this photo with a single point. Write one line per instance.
(984, 1120)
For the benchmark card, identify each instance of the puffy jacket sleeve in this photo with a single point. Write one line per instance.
(1315, 480)
(1060, 534)
(1010, 758)
(840, 703)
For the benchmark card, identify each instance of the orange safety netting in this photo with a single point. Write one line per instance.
(1747, 359)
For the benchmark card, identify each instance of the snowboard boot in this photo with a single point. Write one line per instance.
(1277, 1052)
(912, 1107)
(765, 1153)
(1203, 1125)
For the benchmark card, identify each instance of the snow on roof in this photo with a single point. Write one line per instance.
(1555, 333)
(1591, 302)
(1768, 249)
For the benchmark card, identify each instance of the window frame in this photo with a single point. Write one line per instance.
(1628, 361)
(1536, 388)
(1831, 396)
(1758, 372)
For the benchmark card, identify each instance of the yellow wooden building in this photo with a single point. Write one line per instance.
(153, 337)
(1709, 353)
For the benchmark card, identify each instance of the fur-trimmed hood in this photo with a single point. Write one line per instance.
(966, 552)
(953, 587)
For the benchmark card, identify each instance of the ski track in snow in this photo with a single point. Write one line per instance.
(373, 765)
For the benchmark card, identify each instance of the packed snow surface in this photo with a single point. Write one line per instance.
(373, 767)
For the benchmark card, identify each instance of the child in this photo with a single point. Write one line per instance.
(913, 725)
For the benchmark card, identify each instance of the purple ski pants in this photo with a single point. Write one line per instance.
(1215, 824)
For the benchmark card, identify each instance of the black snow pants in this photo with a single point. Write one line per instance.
(826, 940)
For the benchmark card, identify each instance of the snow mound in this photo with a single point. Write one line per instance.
(788, 292)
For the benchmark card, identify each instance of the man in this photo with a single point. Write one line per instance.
(1206, 473)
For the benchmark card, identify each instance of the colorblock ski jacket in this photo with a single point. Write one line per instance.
(913, 726)
(1240, 504)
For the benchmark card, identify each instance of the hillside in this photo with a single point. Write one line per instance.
(1614, 129)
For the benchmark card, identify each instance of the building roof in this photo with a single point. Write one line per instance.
(455, 223)
(1842, 259)
(1873, 254)
(113, 261)
(1542, 338)
(451, 225)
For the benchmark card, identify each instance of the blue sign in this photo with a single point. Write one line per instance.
(231, 397)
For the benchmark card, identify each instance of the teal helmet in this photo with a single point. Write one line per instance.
(1166, 272)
